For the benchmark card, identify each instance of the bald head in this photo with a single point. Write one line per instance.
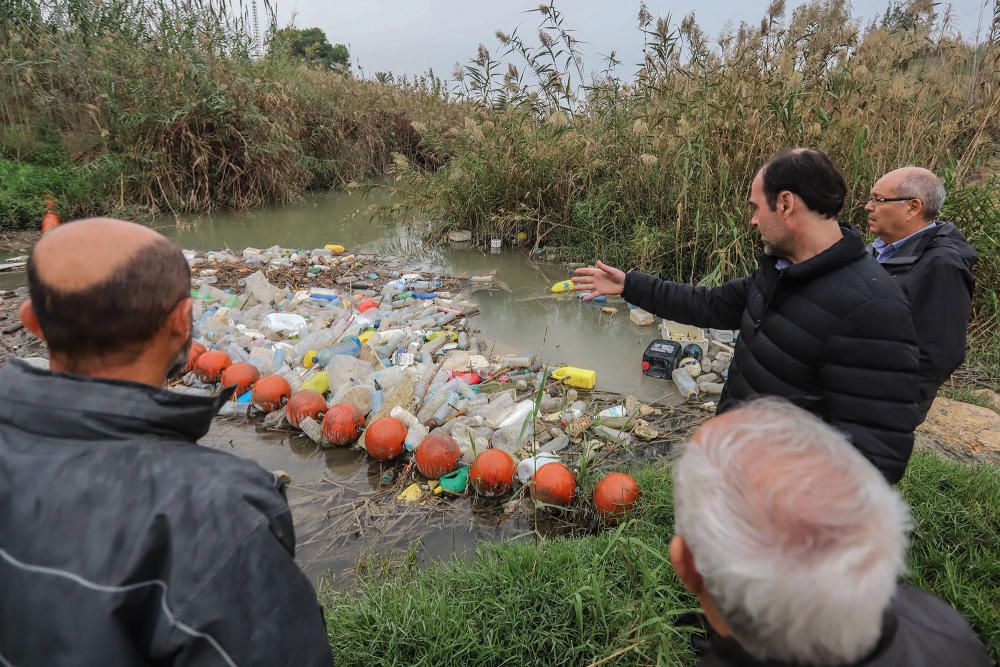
(103, 288)
(76, 256)
(919, 183)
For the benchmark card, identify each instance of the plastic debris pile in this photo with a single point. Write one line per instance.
(354, 350)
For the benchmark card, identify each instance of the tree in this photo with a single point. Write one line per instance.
(312, 46)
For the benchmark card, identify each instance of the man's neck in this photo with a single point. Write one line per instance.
(823, 233)
(909, 230)
(140, 371)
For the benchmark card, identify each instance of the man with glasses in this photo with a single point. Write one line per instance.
(932, 262)
(820, 323)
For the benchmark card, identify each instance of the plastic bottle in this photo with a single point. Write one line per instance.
(581, 378)
(563, 286)
(615, 411)
(312, 429)
(518, 415)
(377, 399)
(350, 346)
(686, 385)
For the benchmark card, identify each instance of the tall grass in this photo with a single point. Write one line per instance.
(164, 105)
(653, 170)
(614, 596)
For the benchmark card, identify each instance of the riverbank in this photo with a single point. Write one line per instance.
(612, 598)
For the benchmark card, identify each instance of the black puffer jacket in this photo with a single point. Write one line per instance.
(935, 271)
(832, 334)
(123, 542)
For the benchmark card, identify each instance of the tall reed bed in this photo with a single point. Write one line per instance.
(653, 171)
(166, 105)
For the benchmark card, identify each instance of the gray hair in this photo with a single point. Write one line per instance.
(925, 186)
(798, 538)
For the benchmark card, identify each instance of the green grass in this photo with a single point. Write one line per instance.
(576, 601)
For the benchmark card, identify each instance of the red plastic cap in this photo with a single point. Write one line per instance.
(645, 366)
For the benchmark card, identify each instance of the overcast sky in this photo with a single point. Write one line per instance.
(409, 36)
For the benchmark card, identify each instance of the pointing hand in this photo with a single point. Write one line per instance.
(598, 280)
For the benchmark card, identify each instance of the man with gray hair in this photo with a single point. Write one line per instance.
(932, 262)
(793, 544)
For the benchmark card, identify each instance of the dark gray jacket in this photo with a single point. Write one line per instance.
(832, 334)
(123, 542)
(934, 269)
(918, 630)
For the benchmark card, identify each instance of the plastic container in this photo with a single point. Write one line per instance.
(319, 382)
(686, 385)
(563, 286)
(581, 378)
(350, 346)
(526, 469)
(335, 248)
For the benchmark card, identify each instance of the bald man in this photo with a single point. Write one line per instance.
(932, 262)
(122, 541)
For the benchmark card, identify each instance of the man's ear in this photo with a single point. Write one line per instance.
(915, 207)
(785, 205)
(683, 562)
(178, 323)
(30, 320)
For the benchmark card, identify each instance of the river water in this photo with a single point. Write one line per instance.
(333, 526)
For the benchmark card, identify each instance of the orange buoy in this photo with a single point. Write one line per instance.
(492, 473)
(210, 365)
(615, 494)
(195, 351)
(270, 393)
(553, 484)
(242, 375)
(384, 438)
(342, 424)
(367, 304)
(437, 455)
(51, 219)
(305, 403)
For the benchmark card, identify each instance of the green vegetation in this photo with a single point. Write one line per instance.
(653, 171)
(136, 105)
(312, 46)
(576, 601)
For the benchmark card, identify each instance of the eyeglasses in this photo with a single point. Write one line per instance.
(882, 200)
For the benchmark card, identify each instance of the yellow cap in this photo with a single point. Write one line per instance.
(309, 358)
(366, 335)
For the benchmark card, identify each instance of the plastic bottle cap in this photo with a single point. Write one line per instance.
(645, 365)
(309, 359)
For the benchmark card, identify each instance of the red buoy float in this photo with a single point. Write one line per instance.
(437, 455)
(270, 393)
(304, 403)
(210, 365)
(195, 351)
(242, 375)
(384, 438)
(553, 484)
(492, 473)
(342, 424)
(615, 494)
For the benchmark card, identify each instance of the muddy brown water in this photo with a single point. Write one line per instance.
(334, 526)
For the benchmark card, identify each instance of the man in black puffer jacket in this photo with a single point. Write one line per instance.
(821, 324)
(932, 262)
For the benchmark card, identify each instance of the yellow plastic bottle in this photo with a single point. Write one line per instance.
(333, 247)
(452, 336)
(319, 382)
(581, 378)
(563, 286)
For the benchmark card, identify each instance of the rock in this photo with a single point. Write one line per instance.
(646, 432)
(724, 357)
(711, 387)
(460, 236)
(718, 366)
(641, 317)
(990, 396)
(609, 310)
(706, 365)
(961, 431)
(707, 377)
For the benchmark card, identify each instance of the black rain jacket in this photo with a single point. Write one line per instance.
(918, 630)
(832, 334)
(123, 542)
(934, 269)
